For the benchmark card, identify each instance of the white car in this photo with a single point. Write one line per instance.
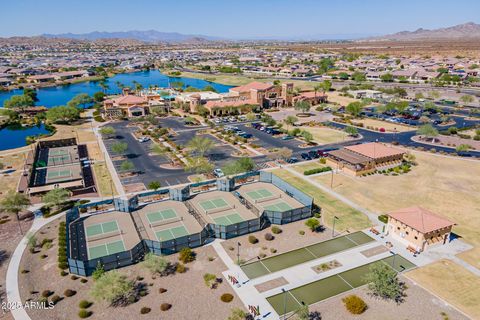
(143, 139)
(218, 173)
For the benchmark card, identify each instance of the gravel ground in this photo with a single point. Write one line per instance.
(419, 304)
(187, 292)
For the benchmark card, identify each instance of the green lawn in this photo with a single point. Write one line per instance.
(349, 218)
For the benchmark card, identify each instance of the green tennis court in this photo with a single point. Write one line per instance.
(298, 256)
(58, 152)
(278, 207)
(60, 158)
(161, 215)
(172, 233)
(325, 288)
(213, 204)
(59, 174)
(259, 194)
(101, 228)
(106, 249)
(228, 219)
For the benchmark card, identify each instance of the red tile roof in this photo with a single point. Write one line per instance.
(252, 85)
(421, 219)
(374, 150)
(232, 103)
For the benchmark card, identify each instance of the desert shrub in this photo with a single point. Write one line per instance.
(83, 280)
(316, 170)
(114, 288)
(323, 160)
(252, 239)
(56, 299)
(46, 293)
(226, 297)
(165, 306)
(211, 258)
(155, 264)
(273, 250)
(354, 304)
(209, 279)
(181, 268)
(262, 255)
(145, 310)
(69, 293)
(74, 277)
(162, 290)
(24, 271)
(186, 255)
(276, 230)
(63, 273)
(301, 232)
(84, 304)
(98, 272)
(84, 313)
(231, 248)
(269, 237)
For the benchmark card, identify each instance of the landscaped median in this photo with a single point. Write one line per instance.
(348, 217)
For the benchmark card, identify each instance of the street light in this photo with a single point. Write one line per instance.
(333, 230)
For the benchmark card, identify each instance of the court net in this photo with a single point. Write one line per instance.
(166, 221)
(268, 198)
(221, 209)
(105, 235)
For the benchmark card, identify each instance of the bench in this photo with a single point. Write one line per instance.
(412, 249)
(374, 231)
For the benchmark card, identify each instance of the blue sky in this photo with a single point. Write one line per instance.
(234, 19)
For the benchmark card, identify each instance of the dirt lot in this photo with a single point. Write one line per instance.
(419, 304)
(448, 186)
(11, 161)
(103, 180)
(187, 292)
(287, 240)
(322, 135)
(10, 236)
(456, 285)
(349, 218)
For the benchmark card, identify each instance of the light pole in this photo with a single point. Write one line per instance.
(284, 303)
(333, 230)
(238, 253)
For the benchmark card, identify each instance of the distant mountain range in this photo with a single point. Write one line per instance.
(467, 30)
(151, 36)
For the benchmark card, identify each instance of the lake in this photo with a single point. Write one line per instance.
(14, 136)
(60, 95)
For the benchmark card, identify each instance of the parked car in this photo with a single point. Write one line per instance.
(292, 160)
(246, 135)
(218, 173)
(305, 156)
(287, 137)
(313, 154)
(143, 139)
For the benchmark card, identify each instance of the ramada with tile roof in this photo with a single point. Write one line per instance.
(365, 158)
(419, 228)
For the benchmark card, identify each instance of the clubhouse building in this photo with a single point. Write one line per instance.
(364, 158)
(120, 231)
(419, 228)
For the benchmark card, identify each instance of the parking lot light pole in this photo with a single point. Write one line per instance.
(333, 230)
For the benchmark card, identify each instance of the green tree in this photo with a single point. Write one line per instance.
(359, 76)
(239, 166)
(186, 255)
(307, 136)
(387, 77)
(81, 99)
(354, 108)
(108, 131)
(155, 264)
(384, 283)
(466, 99)
(199, 165)
(14, 203)
(112, 287)
(237, 314)
(154, 185)
(62, 114)
(290, 120)
(98, 272)
(351, 131)
(56, 197)
(119, 147)
(428, 131)
(127, 166)
(99, 96)
(103, 84)
(18, 101)
(463, 148)
(419, 96)
(200, 145)
(302, 106)
(32, 93)
(434, 95)
(312, 224)
(209, 88)
(251, 116)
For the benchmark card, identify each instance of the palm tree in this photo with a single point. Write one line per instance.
(316, 88)
(103, 84)
(14, 203)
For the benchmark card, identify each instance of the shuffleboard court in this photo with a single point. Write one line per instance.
(328, 287)
(101, 228)
(228, 219)
(106, 249)
(171, 233)
(305, 254)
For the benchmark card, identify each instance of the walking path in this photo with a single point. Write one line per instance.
(11, 285)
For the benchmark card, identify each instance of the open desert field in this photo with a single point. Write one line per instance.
(349, 218)
(456, 285)
(448, 186)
